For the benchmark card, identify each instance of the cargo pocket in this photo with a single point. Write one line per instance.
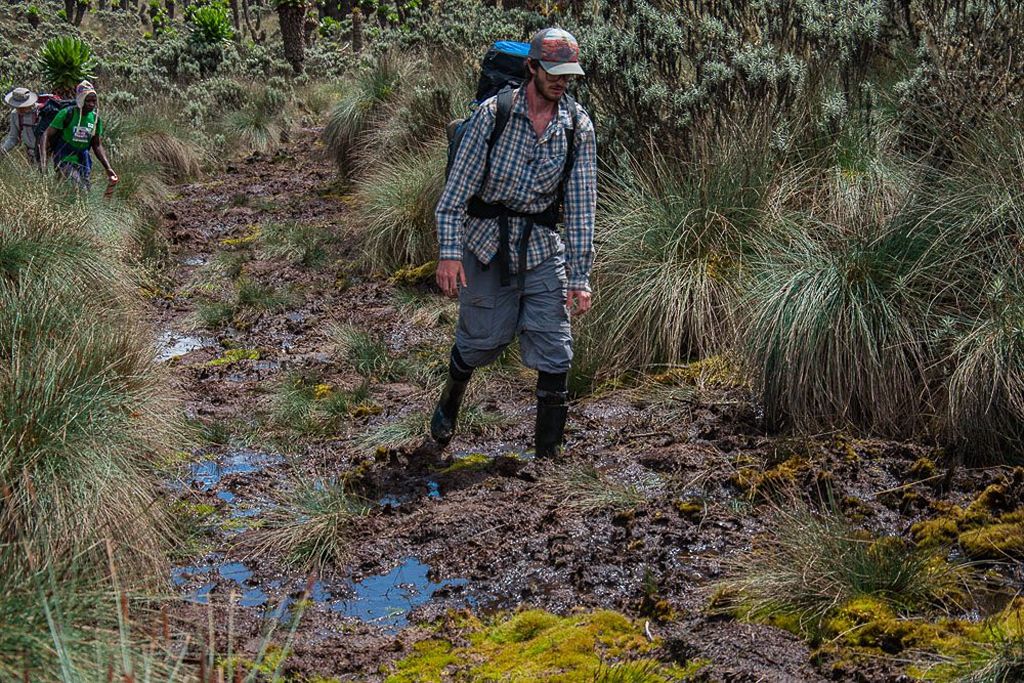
(477, 320)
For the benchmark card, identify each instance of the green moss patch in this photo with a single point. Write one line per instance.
(539, 646)
(987, 529)
(414, 275)
(232, 356)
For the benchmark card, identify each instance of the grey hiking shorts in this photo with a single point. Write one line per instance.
(490, 316)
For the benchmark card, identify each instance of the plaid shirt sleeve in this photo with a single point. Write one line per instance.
(580, 205)
(467, 174)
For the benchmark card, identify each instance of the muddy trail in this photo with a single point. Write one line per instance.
(659, 489)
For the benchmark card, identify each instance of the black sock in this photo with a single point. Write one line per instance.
(458, 368)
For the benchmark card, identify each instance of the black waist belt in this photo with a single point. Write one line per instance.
(478, 208)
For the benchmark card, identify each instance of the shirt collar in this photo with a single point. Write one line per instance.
(519, 107)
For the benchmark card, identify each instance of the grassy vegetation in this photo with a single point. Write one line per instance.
(581, 486)
(362, 105)
(311, 528)
(813, 564)
(305, 404)
(395, 206)
(309, 246)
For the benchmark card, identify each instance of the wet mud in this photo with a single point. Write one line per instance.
(689, 489)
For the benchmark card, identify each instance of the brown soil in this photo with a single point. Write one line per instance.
(504, 528)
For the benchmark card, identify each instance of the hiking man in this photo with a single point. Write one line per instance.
(80, 130)
(497, 218)
(23, 119)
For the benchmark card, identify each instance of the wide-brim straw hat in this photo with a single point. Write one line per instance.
(20, 97)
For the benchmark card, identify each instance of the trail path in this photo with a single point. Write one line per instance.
(607, 528)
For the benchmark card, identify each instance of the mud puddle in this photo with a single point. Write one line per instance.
(389, 500)
(171, 345)
(207, 474)
(384, 600)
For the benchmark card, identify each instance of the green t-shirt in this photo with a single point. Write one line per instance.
(77, 129)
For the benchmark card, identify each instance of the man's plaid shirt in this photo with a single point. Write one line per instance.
(525, 176)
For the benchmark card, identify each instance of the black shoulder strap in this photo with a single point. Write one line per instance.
(501, 117)
(570, 137)
(570, 149)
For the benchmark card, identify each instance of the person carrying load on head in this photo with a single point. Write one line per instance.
(523, 163)
(77, 130)
(23, 119)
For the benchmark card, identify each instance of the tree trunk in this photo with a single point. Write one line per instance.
(80, 9)
(235, 18)
(357, 30)
(309, 28)
(248, 24)
(69, 10)
(292, 21)
(169, 6)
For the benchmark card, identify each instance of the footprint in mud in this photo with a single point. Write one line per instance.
(433, 492)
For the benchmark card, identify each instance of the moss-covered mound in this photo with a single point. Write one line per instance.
(539, 646)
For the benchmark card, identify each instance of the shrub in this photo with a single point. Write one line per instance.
(394, 216)
(362, 105)
(65, 62)
(209, 22)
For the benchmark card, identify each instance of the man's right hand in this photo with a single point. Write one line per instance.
(450, 276)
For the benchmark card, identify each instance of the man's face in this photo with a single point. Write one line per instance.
(90, 103)
(550, 87)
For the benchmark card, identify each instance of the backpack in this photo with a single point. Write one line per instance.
(48, 111)
(502, 70)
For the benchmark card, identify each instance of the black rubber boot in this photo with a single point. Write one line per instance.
(552, 408)
(442, 424)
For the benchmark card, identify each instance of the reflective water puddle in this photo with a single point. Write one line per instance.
(173, 345)
(208, 473)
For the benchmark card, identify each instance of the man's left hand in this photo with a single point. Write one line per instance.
(577, 301)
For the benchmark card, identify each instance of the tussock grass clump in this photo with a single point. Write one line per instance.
(369, 356)
(810, 563)
(405, 430)
(395, 204)
(309, 246)
(306, 405)
(84, 409)
(834, 328)
(246, 301)
(673, 238)
(156, 137)
(62, 623)
(365, 98)
(581, 486)
(986, 387)
(312, 527)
